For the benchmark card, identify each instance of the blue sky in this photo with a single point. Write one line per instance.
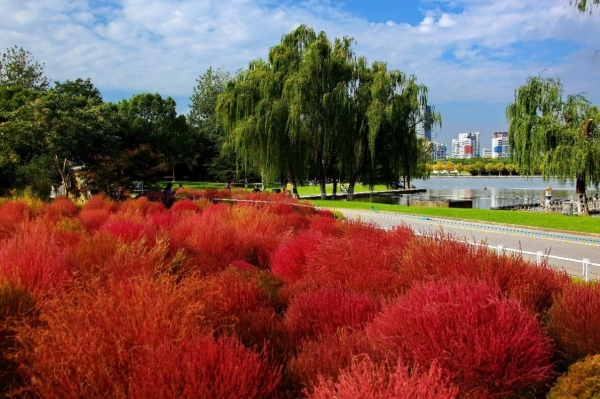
(471, 54)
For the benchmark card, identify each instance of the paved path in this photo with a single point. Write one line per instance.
(564, 250)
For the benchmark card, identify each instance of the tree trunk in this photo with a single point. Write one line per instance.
(321, 170)
(580, 189)
(334, 191)
(351, 184)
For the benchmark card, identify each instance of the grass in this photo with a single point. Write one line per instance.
(538, 220)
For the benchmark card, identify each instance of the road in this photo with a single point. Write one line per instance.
(563, 250)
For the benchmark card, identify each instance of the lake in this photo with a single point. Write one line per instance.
(485, 192)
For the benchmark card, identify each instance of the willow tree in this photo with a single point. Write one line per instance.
(585, 5)
(398, 106)
(281, 114)
(557, 135)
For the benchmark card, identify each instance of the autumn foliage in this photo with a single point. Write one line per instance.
(226, 294)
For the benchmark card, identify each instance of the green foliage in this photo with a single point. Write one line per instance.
(584, 5)
(18, 68)
(560, 135)
(582, 381)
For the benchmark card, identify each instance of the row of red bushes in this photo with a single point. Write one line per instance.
(267, 298)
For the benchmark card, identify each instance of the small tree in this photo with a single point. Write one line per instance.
(18, 68)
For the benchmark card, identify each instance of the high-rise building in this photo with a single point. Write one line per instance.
(423, 128)
(466, 146)
(500, 145)
(438, 151)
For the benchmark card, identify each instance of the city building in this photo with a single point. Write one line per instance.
(500, 145)
(466, 146)
(486, 152)
(438, 151)
(423, 128)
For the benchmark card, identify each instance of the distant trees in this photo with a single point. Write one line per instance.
(584, 5)
(560, 134)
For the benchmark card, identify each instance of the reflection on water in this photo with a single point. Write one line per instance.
(485, 193)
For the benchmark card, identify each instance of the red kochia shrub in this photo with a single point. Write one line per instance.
(92, 219)
(184, 205)
(59, 208)
(490, 347)
(99, 202)
(35, 258)
(289, 260)
(12, 214)
(91, 343)
(327, 356)
(201, 367)
(129, 228)
(532, 286)
(327, 310)
(368, 380)
(573, 321)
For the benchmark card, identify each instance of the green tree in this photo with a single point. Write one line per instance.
(18, 68)
(555, 134)
(217, 159)
(478, 167)
(584, 5)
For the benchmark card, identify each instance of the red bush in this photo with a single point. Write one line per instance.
(59, 208)
(203, 368)
(289, 260)
(184, 205)
(139, 205)
(533, 286)
(487, 345)
(93, 219)
(91, 343)
(327, 310)
(327, 356)
(368, 380)
(129, 228)
(99, 202)
(573, 321)
(35, 258)
(12, 214)
(326, 224)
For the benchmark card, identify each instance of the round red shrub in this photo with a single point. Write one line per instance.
(327, 310)
(93, 219)
(99, 202)
(129, 228)
(202, 367)
(489, 346)
(184, 205)
(369, 380)
(573, 321)
(289, 260)
(59, 208)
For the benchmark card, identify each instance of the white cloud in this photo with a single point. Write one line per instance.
(164, 45)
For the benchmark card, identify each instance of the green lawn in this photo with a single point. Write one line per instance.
(538, 220)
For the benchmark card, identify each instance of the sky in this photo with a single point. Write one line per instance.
(471, 54)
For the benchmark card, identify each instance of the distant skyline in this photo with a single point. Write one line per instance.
(471, 54)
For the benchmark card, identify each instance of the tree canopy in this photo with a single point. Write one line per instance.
(585, 5)
(559, 134)
(18, 68)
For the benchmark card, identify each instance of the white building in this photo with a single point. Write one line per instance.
(466, 146)
(500, 145)
(438, 151)
(486, 152)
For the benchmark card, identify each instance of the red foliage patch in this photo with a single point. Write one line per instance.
(202, 367)
(488, 346)
(327, 310)
(185, 205)
(59, 208)
(573, 321)
(369, 380)
(129, 228)
(289, 260)
(12, 214)
(93, 219)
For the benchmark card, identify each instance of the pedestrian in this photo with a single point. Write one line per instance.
(256, 189)
(168, 189)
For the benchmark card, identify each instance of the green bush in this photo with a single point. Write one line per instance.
(582, 381)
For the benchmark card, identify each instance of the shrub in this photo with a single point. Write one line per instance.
(12, 214)
(129, 228)
(533, 286)
(15, 305)
(327, 310)
(36, 259)
(487, 345)
(368, 380)
(139, 205)
(582, 381)
(289, 260)
(203, 367)
(90, 343)
(184, 205)
(59, 208)
(327, 356)
(93, 219)
(573, 321)
(99, 202)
